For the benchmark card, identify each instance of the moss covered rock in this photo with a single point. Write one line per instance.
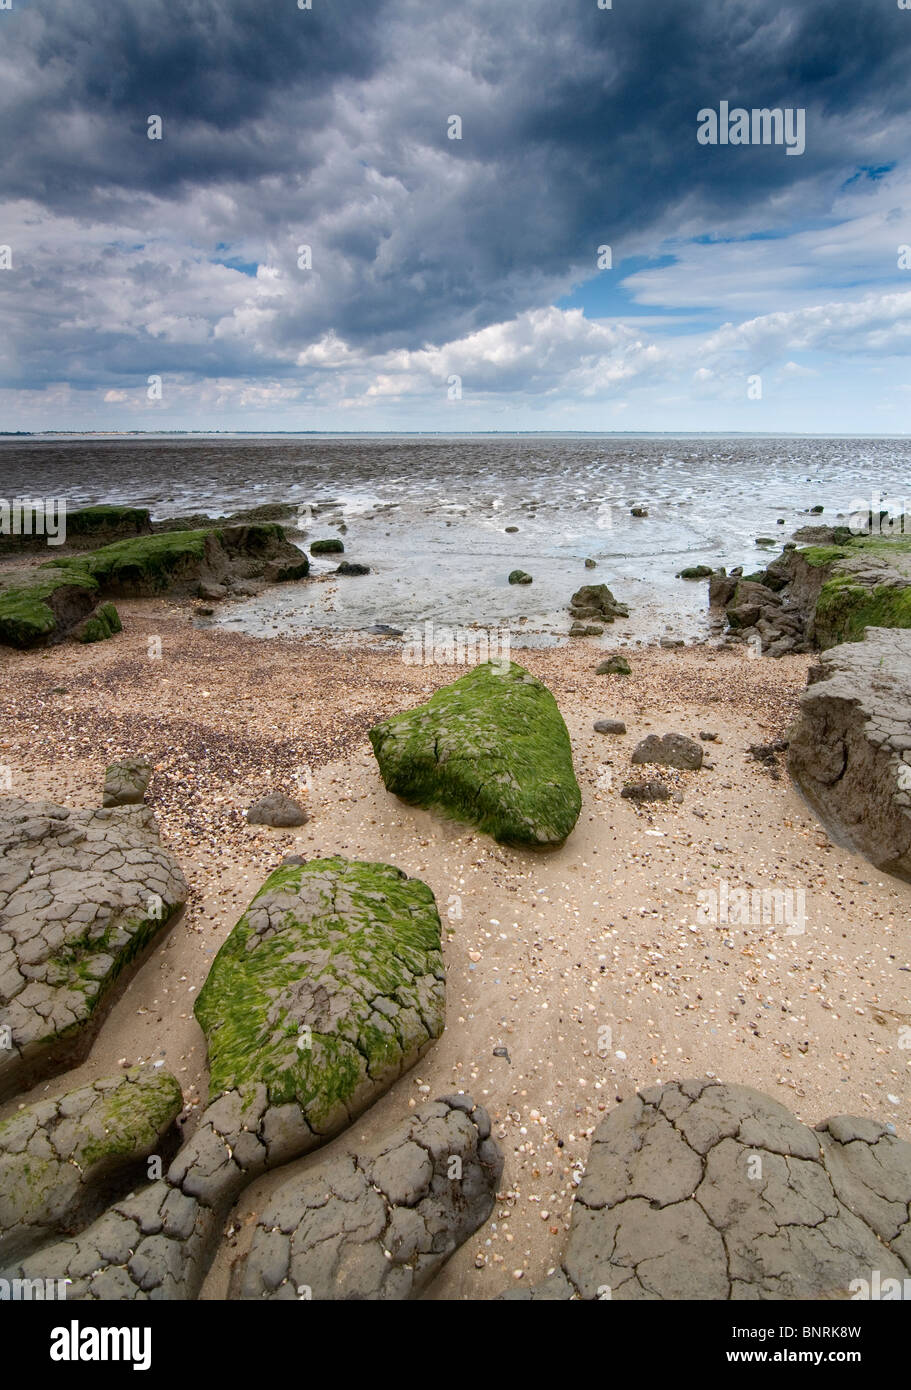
(329, 988)
(39, 605)
(519, 577)
(98, 626)
(332, 546)
(62, 1160)
(491, 749)
(53, 601)
(596, 601)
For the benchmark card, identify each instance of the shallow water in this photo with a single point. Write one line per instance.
(429, 515)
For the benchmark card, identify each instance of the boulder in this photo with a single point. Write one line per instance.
(519, 577)
(350, 568)
(669, 750)
(62, 1160)
(585, 630)
(277, 810)
(492, 750)
(125, 783)
(82, 895)
(609, 726)
(332, 546)
(329, 987)
(701, 1190)
(850, 746)
(696, 572)
(378, 1223)
(596, 601)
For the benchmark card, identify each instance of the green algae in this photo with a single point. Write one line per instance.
(329, 986)
(491, 750)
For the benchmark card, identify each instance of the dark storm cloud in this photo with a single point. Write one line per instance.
(329, 126)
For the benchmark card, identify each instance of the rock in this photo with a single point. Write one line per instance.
(330, 986)
(519, 577)
(85, 528)
(722, 588)
(671, 643)
(765, 540)
(44, 604)
(614, 666)
(349, 567)
(596, 601)
(343, 954)
(610, 726)
(591, 564)
(61, 1160)
(670, 750)
(645, 791)
(332, 546)
(100, 624)
(213, 592)
(706, 736)
(696, 572)
(850, 749)
(816, 511)
(585, 630)
(638, 511)
(125, 783)
(701, 1190)
(491, 749)
(377, 1223)
(510, 530)
(82, 894)
(277, 810)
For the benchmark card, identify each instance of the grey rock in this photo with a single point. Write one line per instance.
(847, 745)
(125, 783)
(701, 1190)
(277, 810)
(609, 726)
(669, 750)
(645, 791)
(380, 1223)
(82, 895)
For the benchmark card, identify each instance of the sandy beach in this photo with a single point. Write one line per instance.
(589, 965)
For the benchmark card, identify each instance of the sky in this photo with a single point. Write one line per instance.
(453, 215)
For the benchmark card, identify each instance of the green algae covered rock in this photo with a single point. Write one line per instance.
(491, 749)
(332, 546)
(60, 1159)
(100, 625)
(330, 986)
(36, 604)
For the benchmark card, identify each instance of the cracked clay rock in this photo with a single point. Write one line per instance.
(700, 1190)
(62, 1160)
(850, 747)
(378, 1224)
(82, 894)
(492, 750)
